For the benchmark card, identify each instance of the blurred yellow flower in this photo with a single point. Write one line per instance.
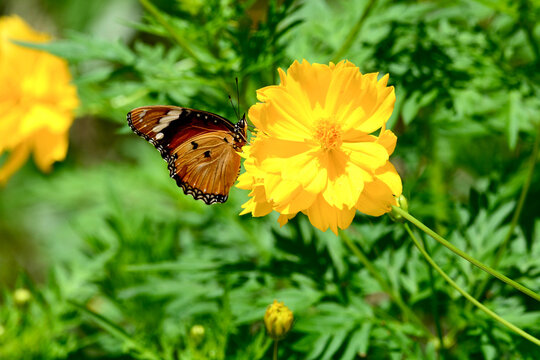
(278, 320)
(317, 148)
(196, 333)
(36, 100)
(22, 296)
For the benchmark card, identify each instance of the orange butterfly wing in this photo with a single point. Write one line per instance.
(201, 148)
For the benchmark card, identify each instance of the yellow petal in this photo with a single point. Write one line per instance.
(376, 102)
(10, 134)
(376, 199)
(368, 155)
(310, 79)
(390, 177)
(282, 77)
(257, 205)
(49, 147)
(300, 201)
(284, 219)
(281, 190)
(245, 181)
(15, 160)
(351, 116)
(15, 28)
(41, 117)
(382, 112)
(323, 216)
(280, 116)
(271, 153)
(342, 63)
(256, 208)
(345, 181)
(287, 158)
(388, 140)
(319, 182)
(306, 161)
(344, 87)
(248, 207)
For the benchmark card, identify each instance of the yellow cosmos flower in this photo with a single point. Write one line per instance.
(36, 100)
(321, 146)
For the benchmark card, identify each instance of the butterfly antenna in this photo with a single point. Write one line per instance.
(237, 97)
(234, 109)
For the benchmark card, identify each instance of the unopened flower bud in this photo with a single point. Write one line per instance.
(278, 320)
(404, 205)
(197, 333)
(22, 296)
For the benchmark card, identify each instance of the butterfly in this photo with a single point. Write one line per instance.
(200, 148)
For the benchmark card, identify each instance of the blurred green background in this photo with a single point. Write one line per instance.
(121, 265)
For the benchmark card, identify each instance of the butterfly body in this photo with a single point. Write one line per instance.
(200, 148)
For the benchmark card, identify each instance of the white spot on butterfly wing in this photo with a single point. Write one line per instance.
(142, 114)
(174, 112)
(165, 121)
(159, 136)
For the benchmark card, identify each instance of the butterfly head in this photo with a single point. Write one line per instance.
(240, 132)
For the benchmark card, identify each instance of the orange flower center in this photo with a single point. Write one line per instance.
(328, 133)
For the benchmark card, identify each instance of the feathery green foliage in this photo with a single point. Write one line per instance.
(121, 264)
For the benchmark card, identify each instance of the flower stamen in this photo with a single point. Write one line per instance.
(328, 133)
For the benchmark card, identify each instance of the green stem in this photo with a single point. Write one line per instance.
(517, 212)
(383, 284)
(157, 15)
(467, 295)
(464, 255)
(434, 302)
(353, 33)
(275, 350)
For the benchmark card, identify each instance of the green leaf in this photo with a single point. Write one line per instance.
(80, 47)
(415, 102)
(337, 341)
(358, 344)
(516, 117)
(318, 347)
